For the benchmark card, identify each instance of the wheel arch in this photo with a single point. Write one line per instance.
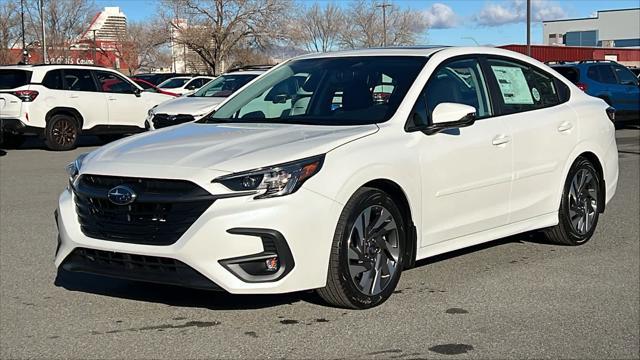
(592, 156)
(61, 110)
(400, 198)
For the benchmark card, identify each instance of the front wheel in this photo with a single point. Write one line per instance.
(367, 254)
(580, 205)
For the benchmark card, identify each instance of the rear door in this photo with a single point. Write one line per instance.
(81, 93)
(544, 130)
(12, 79)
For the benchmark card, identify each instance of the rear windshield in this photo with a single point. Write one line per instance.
(10, 79)
(570, 73)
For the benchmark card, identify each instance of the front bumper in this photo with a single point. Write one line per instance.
(305, 220)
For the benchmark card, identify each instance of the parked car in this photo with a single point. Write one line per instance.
(157, 78)
(635, 71)
(183, 85)
(284, 189)
(200, 103)
(609, 81)
(60, 102)
(149, 87)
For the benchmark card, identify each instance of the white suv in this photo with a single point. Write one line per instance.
(338, 183)
(59, 102)
(194, 106)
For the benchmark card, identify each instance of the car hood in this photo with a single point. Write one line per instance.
(226, 147)
(188, 105)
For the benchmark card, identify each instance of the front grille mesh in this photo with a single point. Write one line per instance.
(162, 212)
(164, 120)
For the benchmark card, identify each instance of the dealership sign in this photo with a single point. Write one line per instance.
(70, 61)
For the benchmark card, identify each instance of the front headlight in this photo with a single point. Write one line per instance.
(276, 180)
(73, 169)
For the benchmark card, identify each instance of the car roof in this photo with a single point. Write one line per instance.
(246, 72)
(47, 67)
(386, 51)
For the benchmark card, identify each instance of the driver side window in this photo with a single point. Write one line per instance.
(112, 83)
(458, 81)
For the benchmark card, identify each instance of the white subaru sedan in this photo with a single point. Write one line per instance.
(338, 171)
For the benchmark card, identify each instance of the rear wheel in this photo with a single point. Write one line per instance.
(367, 255)
(580, 206)
(61, 132)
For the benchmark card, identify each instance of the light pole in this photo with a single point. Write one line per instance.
(384, 7)
(45, 57)
(25, 54)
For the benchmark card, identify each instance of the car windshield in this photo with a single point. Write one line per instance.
(325, 91)
(224, 85)
(173, 83)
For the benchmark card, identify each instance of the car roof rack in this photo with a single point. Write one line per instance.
(595, 61)
(250, 67)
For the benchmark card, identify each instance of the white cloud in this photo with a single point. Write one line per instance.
(440, 16)
(515, 11)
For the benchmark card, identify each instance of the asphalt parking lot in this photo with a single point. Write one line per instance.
(513, 298)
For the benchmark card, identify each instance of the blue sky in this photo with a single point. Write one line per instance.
(496, 22)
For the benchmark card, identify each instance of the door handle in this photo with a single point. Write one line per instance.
(501, 140)
(565, 126)
(112, 99)
(74, 96)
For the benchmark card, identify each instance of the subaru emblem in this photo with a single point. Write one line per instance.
(121, 195)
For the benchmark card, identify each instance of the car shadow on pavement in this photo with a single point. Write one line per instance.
(35, 143)
(174, 295)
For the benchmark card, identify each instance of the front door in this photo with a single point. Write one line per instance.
(125, 107)
(466, 173)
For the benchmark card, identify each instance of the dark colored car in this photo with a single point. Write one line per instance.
(157, 78)
(608, 80)
(149, 87)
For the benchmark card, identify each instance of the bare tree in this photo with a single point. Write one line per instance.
(318, 28)
(365, 28)
(213, 28)
(65, 21)
(9, 30)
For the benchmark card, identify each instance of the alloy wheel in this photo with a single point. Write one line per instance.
(64, 132)
(373, 250)
(583, 201)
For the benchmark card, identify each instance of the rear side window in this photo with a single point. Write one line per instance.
(523, 87)
(602, 73)
(53, 80)
(79, 80)
(571, 73)
(10, 79)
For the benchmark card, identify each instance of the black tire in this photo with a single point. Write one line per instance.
(107, 138)
(341, 289)
(566, 233)
(11, 141)
(61, 133)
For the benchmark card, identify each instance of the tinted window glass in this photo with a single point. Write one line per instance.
(458, 82)
(305, 91)
(53, 80)
(173, 83)
(523, 87)
(571, 73)
(625, 76)
(112, 83)
(224, 85)
(10, 79)
(602, 73)
(79, 80)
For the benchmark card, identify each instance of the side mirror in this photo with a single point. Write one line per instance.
(450, 116)
(137, 92)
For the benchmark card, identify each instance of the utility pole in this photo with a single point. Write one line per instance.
(529, 27)
(384, 7)
(25, 54)
(45, 57)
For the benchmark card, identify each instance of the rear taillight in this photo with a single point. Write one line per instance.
(26, 95)
(582, 86)
(611, 113)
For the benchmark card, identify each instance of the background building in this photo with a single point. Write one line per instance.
(183, 59)
(610, 28)
(109, 25)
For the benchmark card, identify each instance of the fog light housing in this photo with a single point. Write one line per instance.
(272, 264)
